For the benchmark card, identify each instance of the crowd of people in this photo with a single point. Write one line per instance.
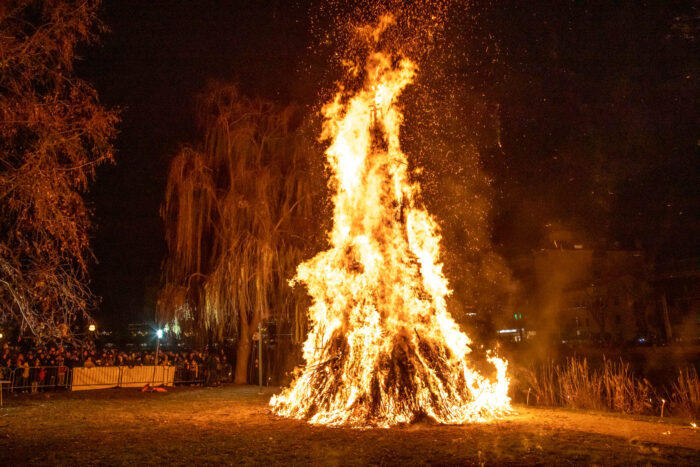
(48, 366)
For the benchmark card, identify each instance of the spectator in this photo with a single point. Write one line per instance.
(24, 366)
(42, 378)
(62, 371)
(34, 374)
(38, 368)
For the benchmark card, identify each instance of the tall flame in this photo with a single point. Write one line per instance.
(382, 348)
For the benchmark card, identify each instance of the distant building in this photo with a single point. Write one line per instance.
(678, 287)
(577, 292)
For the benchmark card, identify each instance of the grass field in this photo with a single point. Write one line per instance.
(233, 425)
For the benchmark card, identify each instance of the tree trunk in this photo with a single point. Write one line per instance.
(242, 356)
(240, 376)
(245, 344)
(667, 321)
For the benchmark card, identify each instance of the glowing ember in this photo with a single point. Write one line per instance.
(382, 348)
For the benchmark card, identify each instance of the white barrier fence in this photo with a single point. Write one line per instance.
(121, 376)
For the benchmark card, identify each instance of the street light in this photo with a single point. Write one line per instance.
(159, 335)
(91, 328)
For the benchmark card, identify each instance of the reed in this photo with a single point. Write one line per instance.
(684, 393)
(613, 387)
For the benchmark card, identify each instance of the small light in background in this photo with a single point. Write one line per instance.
(91, 328)
(159, 333)
(1, 336)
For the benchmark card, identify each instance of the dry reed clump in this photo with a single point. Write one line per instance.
(685, 393)
(540, 383)
(613, 387)
(579, 386)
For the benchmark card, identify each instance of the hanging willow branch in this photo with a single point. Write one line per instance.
(237, 212)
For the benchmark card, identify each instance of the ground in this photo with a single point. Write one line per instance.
(233, 425)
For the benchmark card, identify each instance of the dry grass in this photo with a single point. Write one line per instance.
(623, 392)
(542, 382)
(233, 425)
(613, 387)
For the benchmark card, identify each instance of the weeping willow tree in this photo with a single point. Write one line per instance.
(237, 214)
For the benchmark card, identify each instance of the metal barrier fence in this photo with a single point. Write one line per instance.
(201, 375)
(51, 378)
(103, 377)
(189, 375)
(5, 373)
(34, 379)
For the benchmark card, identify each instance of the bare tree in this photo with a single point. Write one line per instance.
(627, 290)
(597, 299)
(53, 134)
(237, 214)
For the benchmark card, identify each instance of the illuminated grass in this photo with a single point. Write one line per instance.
(233, 425)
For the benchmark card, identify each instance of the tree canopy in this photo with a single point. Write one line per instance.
(53, 134)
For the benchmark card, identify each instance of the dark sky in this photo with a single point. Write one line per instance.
(600, 121)
(154, 61)
(598, 105)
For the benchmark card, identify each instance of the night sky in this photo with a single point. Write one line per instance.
(152, 64)
(598, 113)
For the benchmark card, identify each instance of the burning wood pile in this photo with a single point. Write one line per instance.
(382, 348)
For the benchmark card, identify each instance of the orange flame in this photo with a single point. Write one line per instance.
(382, 348)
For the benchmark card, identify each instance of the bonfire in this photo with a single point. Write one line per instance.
(382, 348)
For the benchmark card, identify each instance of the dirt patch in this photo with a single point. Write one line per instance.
(233, 425)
